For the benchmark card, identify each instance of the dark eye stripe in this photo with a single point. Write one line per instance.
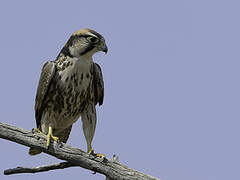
(84, 35)
(89, 48)
(96, 34)
(93, 40)
(65, 49)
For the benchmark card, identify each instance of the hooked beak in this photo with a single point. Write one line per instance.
(104, 48)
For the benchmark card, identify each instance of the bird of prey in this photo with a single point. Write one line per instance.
(69, 87)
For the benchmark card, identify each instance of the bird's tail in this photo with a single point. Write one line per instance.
(33, 151)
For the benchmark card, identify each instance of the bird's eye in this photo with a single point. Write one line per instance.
(92, 39)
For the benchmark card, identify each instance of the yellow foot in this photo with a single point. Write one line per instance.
(50, 135)
(100, 155)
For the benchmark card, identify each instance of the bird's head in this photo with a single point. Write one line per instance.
(84, 42)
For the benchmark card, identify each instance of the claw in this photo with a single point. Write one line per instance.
(100, 155)
(36, 130)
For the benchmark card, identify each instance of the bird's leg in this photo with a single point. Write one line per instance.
(91, 151)
(89, 119)
(50, 135)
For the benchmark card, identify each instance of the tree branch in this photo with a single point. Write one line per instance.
(76, 157)
(19, 170)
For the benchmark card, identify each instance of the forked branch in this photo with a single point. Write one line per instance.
(73, 156)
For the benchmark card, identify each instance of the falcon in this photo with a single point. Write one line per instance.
(69, 87)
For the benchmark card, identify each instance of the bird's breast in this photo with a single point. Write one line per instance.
(72, 89)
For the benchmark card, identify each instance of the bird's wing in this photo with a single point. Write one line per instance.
(98, 84)
(47, 73)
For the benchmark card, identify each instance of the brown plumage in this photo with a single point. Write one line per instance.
(70, 87)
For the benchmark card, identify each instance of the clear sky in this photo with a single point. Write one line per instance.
(172, 92)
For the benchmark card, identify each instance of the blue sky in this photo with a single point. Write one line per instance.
(172, 101)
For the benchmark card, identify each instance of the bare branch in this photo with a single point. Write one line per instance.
(109, 168)
(19, 170)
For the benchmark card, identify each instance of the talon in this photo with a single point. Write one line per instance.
(55, 138)
(50, 135)
(36, 130)
(100, 155)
